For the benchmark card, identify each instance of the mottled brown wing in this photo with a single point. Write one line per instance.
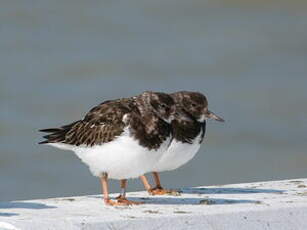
(150, 131)
(101, 124)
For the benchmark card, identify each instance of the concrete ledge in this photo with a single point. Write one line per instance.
(278, 205)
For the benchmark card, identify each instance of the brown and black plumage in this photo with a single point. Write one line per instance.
(194, 104)
(105, 122)
(119, 139)
(188, 133)
(100, 125)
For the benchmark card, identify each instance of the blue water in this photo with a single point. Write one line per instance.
(60, 58)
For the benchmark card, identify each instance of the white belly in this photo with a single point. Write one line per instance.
(177, 155)
(123, 158)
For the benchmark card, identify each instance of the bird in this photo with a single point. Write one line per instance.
(119, 139)
(187, 136)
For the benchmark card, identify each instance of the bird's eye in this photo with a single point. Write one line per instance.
(163, 105)
(193, 104)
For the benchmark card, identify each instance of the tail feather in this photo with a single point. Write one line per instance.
(56, 135)
(52, 130)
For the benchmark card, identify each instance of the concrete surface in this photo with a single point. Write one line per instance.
(278, 205)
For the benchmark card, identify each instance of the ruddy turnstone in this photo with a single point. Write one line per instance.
(188, 134)
(119, 139)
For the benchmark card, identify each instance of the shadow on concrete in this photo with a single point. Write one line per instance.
(25, 205)
(6, 214)
(167, 200)
(228, 190)
(191, 201)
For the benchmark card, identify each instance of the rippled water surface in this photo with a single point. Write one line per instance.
(60, 58)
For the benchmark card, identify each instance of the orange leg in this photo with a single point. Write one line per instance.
(146, 183)
(157, 180)
(105, 191)
(157, 190)
(121, 199)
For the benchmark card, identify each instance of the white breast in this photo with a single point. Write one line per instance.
(177, 155)
(122, 158)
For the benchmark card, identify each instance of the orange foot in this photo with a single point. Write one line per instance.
(113, 203)
(158, 190)
(123, 200)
